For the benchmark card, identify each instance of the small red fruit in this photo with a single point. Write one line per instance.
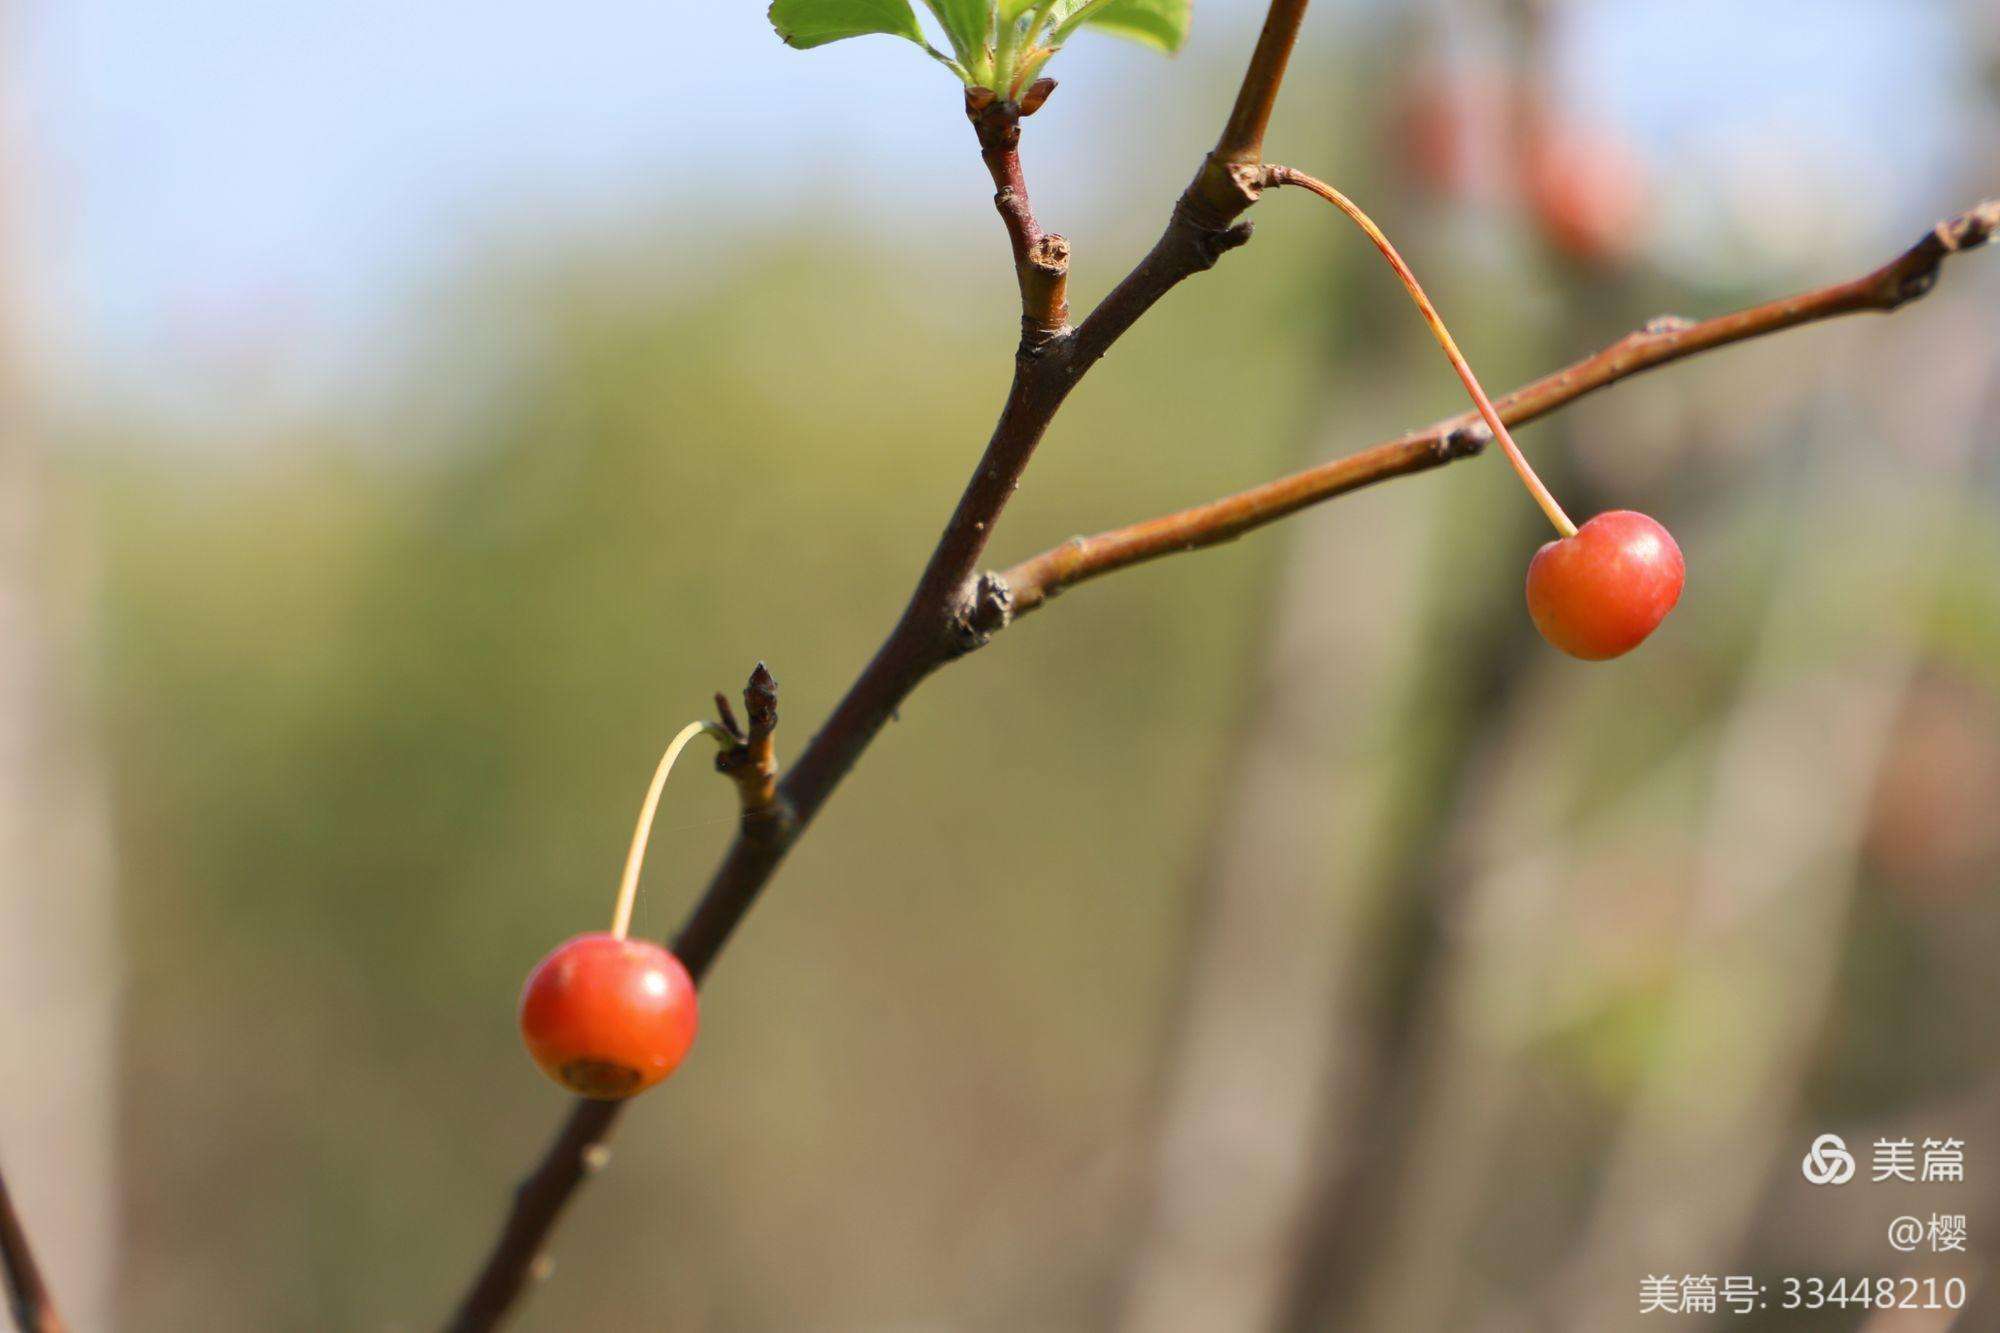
(1601, 592)
(608, 1017)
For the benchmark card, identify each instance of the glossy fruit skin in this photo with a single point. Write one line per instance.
(1600, 593)
(608, 1017)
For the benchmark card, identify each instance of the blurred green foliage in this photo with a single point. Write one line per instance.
(381, 715)
(381, 731)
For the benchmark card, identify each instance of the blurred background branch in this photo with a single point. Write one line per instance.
(34, 1308)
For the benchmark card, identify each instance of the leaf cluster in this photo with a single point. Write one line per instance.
(1001, 45)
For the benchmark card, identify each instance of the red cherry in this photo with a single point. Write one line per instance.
(608, 1017)
(1601, 592)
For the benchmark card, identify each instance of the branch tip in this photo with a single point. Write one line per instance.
(1664, 339)
(752, 762)
(760, 700)
(727, 716)
(1973, 228)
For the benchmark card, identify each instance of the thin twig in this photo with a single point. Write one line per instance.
(752, 763)
(1242, 140)
(1445, 342)
(1041, 259)
(28, 1295)
(1905, 278)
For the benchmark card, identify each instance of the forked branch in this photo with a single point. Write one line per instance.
(954, 609)
(1902, 279)
(752, 762)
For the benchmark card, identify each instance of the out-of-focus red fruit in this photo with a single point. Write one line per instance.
(1448, 133)
(608, 1017)
(1585, 190)
(1600, 593)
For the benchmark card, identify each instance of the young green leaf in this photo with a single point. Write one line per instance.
(808, 23)
(969, 24)
(1162, 24)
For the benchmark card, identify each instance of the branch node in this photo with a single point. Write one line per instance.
(1915, 272)
(752, 763)
(1463, 441)
(986, 608)
(1219, 194)
(1209, 240)
(1044, 275)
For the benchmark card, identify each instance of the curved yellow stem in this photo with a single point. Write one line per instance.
(1288, 176)
(628, 887)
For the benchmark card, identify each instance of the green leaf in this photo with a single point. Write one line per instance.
(809, 23)
(969, 24)
(1162, 24)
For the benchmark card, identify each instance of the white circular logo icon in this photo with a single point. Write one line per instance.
(1829, 1162)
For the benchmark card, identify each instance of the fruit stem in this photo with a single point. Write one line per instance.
(628, 887)
(1289, 176)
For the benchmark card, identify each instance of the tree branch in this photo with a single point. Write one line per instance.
(1041, 259)
(752, 763)
(1905, 278)
(34, 1309)
(953, 609)
(579, 1147)
(1242, 140)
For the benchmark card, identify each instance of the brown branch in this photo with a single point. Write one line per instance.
(952, 610)
(34, 1309)
(1041, 259)
(1905, 278)
(579, 1147)
(752, 763)
(1242, 140)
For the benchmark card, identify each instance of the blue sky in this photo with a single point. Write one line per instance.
(211, 168)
